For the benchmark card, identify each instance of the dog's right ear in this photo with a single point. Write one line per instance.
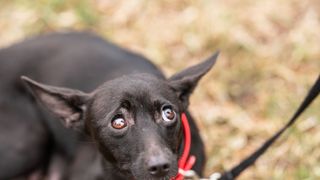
(185, 81)
(67, 104)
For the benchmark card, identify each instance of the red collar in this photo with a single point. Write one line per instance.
(186, 161)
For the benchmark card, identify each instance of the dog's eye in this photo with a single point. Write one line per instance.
(168, 113)
(119, 123)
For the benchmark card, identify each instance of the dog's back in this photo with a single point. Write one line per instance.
(77, 60)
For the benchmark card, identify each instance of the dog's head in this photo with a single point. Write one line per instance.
(134, 119)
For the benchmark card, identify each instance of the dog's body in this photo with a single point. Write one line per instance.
(29, 135)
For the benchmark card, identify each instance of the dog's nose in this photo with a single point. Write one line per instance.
(158, 167)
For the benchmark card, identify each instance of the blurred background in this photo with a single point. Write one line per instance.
(270, 56)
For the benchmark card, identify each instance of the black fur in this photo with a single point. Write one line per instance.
(103, 82)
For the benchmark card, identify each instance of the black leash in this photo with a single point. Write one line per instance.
(250, 160)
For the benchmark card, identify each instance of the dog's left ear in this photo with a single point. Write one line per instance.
(185, 81)
(67, 104)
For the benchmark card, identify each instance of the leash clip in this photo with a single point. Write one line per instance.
(215, 176)
(189, 174)
(192, 175)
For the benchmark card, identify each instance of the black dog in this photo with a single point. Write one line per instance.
(133, 118)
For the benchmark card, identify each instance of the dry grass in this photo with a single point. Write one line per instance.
(270, 56)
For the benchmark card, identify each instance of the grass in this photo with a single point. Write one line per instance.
(270, 56)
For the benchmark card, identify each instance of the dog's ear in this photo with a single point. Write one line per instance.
(67, 104)
(185, 81)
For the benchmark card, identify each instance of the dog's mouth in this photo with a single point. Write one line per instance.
(140, 171)
(170, 176)
(136, 172)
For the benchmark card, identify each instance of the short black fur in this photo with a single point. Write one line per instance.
(92, 83)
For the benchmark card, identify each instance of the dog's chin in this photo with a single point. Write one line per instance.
(139, 175)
